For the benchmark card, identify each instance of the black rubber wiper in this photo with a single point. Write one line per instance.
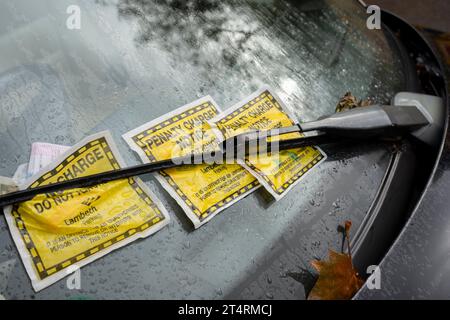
(371, 122)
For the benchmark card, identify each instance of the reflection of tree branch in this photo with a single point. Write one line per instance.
(185, 27)
(246, 33)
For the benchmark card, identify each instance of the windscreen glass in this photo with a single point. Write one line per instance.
(132, 61)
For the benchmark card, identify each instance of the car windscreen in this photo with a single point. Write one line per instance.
(132, 61)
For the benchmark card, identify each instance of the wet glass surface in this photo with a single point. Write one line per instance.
(135, 60)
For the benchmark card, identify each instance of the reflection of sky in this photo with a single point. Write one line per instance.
(155, 51)
(237, 46)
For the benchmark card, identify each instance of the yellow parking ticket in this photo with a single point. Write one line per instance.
(71, 228)
(263, 110)
(202, 190)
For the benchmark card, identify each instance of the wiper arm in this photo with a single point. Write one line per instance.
(366, 122)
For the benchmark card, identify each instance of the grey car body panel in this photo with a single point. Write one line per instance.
(417, 265)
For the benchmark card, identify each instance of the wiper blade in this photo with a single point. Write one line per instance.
(362, 123)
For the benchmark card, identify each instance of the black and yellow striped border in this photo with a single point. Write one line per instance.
(203, 215)
(139, 137)
(249, 104)
(274, 102)
(199, 213)
(37, 261)
(291, 181)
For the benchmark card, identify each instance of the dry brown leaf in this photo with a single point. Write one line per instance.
(338, 279)
(349, 101)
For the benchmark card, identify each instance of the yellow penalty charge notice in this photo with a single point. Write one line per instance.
(64, 230)
(263, 111)
(202, 190)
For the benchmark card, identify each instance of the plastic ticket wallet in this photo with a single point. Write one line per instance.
(202, 190)
(72, 228)
(263, 110)
(42, 154)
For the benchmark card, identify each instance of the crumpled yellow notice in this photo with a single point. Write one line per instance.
(202, 190)
(262, 111)
(71, 228)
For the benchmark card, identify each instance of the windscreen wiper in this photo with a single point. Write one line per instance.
(372, 122)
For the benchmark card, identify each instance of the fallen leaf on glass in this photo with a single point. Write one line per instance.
(338, 279)
(349, 101)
